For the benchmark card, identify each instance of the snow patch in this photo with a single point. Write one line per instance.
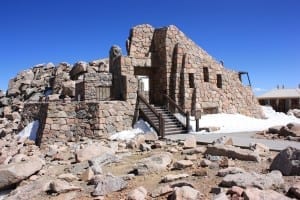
(231, 123)
(140, 127)
(30, 131)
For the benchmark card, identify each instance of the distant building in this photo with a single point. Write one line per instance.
(281, 99)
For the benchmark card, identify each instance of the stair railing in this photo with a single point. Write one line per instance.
(170, 103)
(161, 123)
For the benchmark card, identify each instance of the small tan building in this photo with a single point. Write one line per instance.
(281, 99)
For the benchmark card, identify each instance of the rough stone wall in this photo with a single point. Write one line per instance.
(177, 61)
(89, 119)
(92, 81)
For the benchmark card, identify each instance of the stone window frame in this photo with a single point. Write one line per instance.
(219, 81)
(205, 74)
(191, 80)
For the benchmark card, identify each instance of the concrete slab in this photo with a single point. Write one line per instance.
(239, 139)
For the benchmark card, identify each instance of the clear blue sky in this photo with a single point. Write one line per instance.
(258, 36)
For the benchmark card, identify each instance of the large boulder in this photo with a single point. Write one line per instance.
(78, 69)
(14, 173)
(92, 151)
(252, 179)
(68, 88)
(106, 184)
(232, 152)
(154, 163)
(287, 161)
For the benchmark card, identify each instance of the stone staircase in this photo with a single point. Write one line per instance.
(171, 124)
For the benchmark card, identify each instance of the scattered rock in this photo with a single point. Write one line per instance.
(61, 186)
(68, 177)
(260, 148)
(181, 164)
(200, 172)
(287, 161)
(16, 172)
(205, 163)
(252, 179)
(185, 193)
(87, 175)
(161, 190)
(190, 142)
(196, 150)
(107, 184)
(173, 177)
(230, 170)
(91, 151)
(232, 152)
(254, 193)
(139, 193)
(154, 163)
(223, 140)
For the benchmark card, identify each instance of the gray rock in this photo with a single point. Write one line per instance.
(232, 152)
(221, 196)
(79, 68)
(30, 190)
(154, 163)
(252, 179)
(186, 193)
(107, 184)
(145, 147)
(68, 88)
(287, 161)
(104, 159)
(230, 170)
(16, 172)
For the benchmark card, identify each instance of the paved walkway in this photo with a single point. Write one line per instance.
(239, 139)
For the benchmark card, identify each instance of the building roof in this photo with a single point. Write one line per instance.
(281, 93)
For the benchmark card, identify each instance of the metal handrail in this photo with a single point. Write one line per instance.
(161, 122)
(181, 111)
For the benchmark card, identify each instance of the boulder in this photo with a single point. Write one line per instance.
(252, 179)
(68, 88)
(274, 129)
(254, 193)
(260, 148)
(4, 101)
(92, 151)
(154, 163)
(15, 172)
(287, 161)
(295, 112)
(107, 184)
(139, 193)
(78, 69)
(186, 193)
(232, 152)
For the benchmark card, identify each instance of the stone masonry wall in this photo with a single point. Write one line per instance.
(178, 65)
(89, 119)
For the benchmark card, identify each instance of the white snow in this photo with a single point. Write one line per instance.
(30, 131)
(230, 123)
(140, 127)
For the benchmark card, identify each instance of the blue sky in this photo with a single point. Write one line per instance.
(258, 36)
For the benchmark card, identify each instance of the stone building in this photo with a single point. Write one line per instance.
(104, 92)
(179, 68)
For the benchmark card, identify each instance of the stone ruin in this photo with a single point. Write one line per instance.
(98, 98)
